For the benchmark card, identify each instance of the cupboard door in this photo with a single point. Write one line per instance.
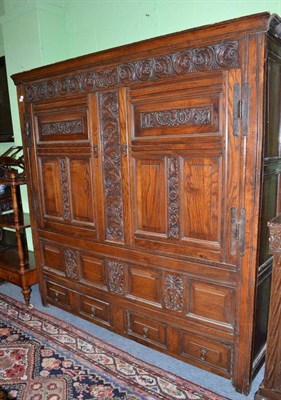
(67, 166)
(183, 150)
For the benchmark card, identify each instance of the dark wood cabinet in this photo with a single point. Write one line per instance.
(153, 170)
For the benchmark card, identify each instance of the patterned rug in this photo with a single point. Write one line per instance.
(43, 358)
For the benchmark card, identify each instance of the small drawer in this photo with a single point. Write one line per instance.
(206, 351)
(58, 294)
(97, 309)
(147, 329)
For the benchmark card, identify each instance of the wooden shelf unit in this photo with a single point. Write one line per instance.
(17, 264)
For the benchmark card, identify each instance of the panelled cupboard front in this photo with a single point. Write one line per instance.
(153, 169)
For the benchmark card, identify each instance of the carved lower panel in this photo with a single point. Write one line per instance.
(115, 276)
(173, 201)
(65, 190)
(71, 264)
(62, 127)
(176, 117)
(174, 291)
(187, 61)
(110, 136)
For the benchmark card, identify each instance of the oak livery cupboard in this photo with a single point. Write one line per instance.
(153, 169)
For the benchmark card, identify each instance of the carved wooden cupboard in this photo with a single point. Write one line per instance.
(153, 169)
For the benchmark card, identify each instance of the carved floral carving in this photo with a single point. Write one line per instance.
(62, 127)
(110, 136)
(174, 292)
(71, 264)
(173, 198)
(176, 117)
(65, 190)
(115, 272)
(187, 61)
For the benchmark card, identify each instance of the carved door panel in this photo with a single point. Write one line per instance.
(183, 153)
(65, 147)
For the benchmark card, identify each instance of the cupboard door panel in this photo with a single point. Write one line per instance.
(150, 196)
(52, 188)
(62, 122)
(201, 198)
(81, 190)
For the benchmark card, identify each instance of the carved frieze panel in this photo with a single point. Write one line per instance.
(62, 127)
(186, 61)
(174, 292)
(115, 276)
(173, 198)
(71, 264)
(65, 189)
(110, 136)
(175, 117)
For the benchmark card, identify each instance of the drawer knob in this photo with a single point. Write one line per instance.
(145, 332)
(56, 296)
(203, 354)
(93, 311)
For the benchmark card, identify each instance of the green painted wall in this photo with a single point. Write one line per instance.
(39, 32)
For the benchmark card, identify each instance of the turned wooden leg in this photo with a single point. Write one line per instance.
(26, 294)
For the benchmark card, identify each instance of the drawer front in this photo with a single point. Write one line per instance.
(96, 309)
(209, 352)
(146, 329)
(57, 294)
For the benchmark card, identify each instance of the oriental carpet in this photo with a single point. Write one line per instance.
(44, 358)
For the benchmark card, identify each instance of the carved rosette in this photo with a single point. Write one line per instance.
(176, 117)
(190, 60)
(110, 136)
(173, 198)
(65, 190)
(174, 292)
(115, 271)
(62, 127)
(71, 264)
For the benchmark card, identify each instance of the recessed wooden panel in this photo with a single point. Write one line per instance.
(151, 196)
(147, 329)
(62, 124)
(176, 117)
(212, 302)
(145, 284)
(81, 190)
(202, 198)
(96, 309)
(57, 294)
(92, 269)
(53, 257)
(52, 187)
(209, 352)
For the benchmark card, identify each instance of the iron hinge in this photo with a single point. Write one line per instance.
(27, 129)
(238, 231)
(241, 96)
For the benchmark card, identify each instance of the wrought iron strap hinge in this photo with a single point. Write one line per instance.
(238, 231)
(27, 129)
(241, 96)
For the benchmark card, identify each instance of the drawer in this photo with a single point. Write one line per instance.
(96, 309)
(206, 351)
(146, 329)
(58, 294)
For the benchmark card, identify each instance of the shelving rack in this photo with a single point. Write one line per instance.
(17, 264)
